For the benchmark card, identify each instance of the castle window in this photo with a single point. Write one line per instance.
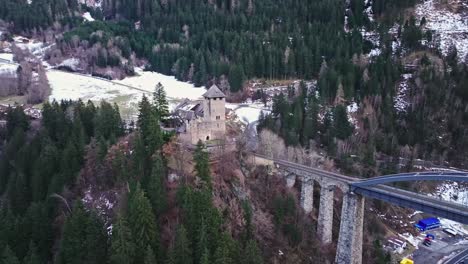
(218, 117)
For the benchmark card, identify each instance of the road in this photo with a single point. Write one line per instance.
(459, 258)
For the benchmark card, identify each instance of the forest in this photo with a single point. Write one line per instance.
(44, 215)
(50, 167)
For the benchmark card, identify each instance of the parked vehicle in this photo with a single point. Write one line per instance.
(406, 261)
(427, 240)
(450, 231)
(428, 224)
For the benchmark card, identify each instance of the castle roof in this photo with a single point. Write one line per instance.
(214, 92)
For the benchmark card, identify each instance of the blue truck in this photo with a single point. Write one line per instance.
(428, 224)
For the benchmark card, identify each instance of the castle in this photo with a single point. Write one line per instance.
(203, 120)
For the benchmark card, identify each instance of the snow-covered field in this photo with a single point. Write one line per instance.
(449, 27)
(175, 89)
(8, 68)
(68, 86)
(126, 93)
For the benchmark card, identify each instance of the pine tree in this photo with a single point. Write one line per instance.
(148, 124)
(150, 258)
(160, 101)
(342, 126)
(252, 254)
(155, 187)
(202, 166)
(9, 257)
(142, 222)
(311, 124)
(205, 258)
(236, 78)
(84, 239)
(225, 252)
(202, 243)
(16, 119)
(38, 225)
(122, 248)
(182, 249)
(32, 256)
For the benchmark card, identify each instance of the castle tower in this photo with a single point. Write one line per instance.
(214, 112)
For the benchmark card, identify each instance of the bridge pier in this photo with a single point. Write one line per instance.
(349, 249)
(325, 216)
(307, 195)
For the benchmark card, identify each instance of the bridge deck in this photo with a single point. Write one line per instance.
(372, 189)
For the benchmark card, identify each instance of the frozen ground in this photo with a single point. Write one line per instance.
(449, 27)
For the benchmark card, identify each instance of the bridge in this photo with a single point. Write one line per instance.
(349, 248)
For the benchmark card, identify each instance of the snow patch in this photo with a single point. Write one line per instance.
(411, 239)
(449, 27)
(87, 16)
(352, 108)
(71, 63)
(249, 114)
(400, 101)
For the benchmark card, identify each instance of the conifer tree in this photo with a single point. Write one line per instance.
(148, 124)
(155, 186)
(224, 253)
(252, 254)
(9, 257)
(342, 126)
(150, 258)
(205, 258)
(84, 239)
(202, 166)
(236, 78)
(32, 256)
(122, 248)
(182, 249)
(142, 222)
(201, 243)
(160, 101)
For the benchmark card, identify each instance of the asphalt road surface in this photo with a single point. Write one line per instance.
(459, 258)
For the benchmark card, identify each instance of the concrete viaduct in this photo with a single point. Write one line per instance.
(349, 248)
